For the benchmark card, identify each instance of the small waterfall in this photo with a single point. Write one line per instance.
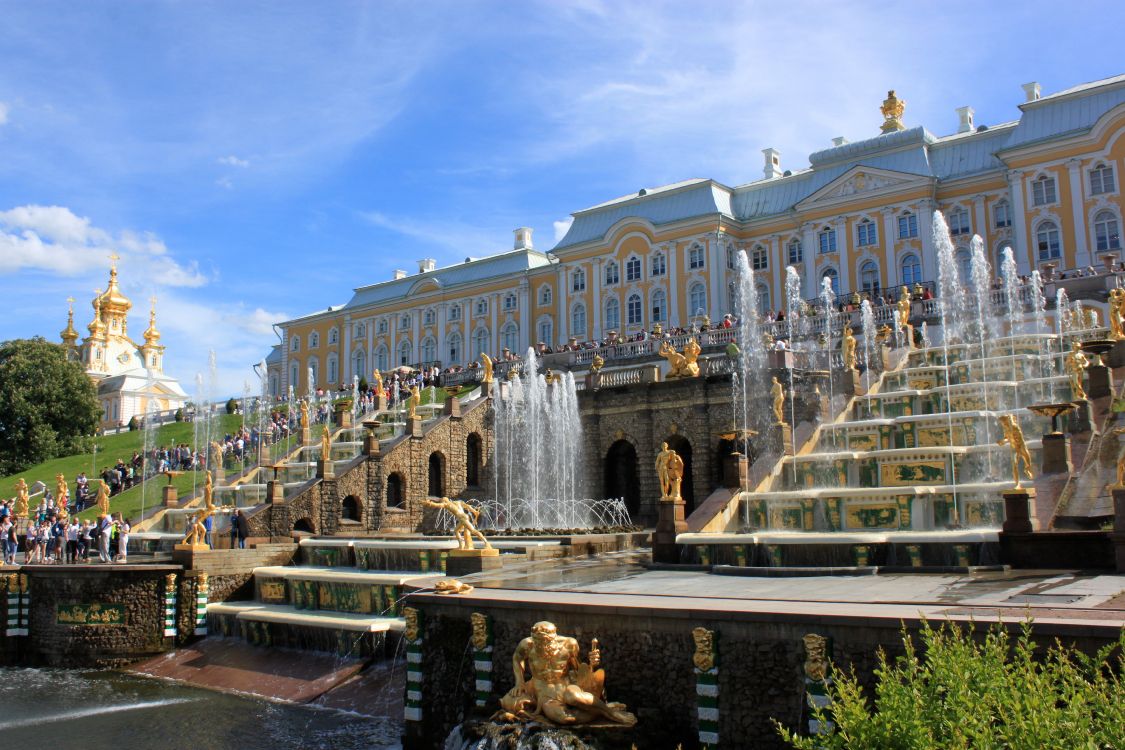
(749, 381)
(867, 322)
(310, 386)
(828, 298)
(1011, 299)
(538, 454)
(949, 303)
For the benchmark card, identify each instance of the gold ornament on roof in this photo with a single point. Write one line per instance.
(69, 336)
(892, 110)
(97, 325)
(151, 334)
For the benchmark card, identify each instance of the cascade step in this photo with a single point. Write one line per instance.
(286, 615)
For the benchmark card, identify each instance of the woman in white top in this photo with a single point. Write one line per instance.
(123, 541)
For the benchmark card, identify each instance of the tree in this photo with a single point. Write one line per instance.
(48, 405)
(969, 691)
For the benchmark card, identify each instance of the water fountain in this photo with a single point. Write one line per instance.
(867, 328)
(749, 381)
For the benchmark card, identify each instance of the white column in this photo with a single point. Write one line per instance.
(345, 367)
(416, 334)
(1082, 255)
(563, 289)
(926, 229)
(493, 306)
(809, 251)
(980, 223)
(714, 271)
(392, 353)
(777, 262)
(1023, 249)
(594, 312)
(526, 323)
(843, 244)
(889, 271)
(284, 379)
(442, 355)
(369, 325)
(672, 260)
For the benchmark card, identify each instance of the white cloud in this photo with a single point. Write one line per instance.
(55, 240)
(233, 161)
(463, 239)
(562, 227)
(225, 183)
(4, 110)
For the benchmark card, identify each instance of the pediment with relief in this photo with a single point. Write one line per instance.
(862, 180)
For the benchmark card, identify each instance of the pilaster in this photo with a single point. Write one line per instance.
(1082, 255)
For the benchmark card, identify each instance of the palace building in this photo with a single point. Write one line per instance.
(1046, 184)
(129, 376)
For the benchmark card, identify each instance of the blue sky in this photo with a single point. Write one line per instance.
(256, 160)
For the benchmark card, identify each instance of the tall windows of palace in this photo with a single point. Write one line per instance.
(911, 270)
(509, 336)
(578, 281)
(732, 257)
(404, 323)
(578, 321)
(360, 364)
(760, 259)
(294, 375)
(429, 350)
(428, 317)
(314, 340)
(659, 265)
(405, 352)
(796, 255)
(826, 240)
(1107, 234)
(455, 311)
(612, 314)
(866, 233)
(482, 307)
(545, 295)
(612, 273)
(332, 370)
(659, 306)
(697, 299)
(295, 344)
(964, 264)
(959, 222)
(547, 331)
(732, 298)
(1043, 191)
(334, 336)
(695, 257)
(1047, 240)
(454, 344)
(907, 226)
(381, 358)
(633, 269)
(763, 299)
(381, 328)
(834, 278)
(1101, 180)
(1002, 215)
(509, 302)
(869, 276)
(633, 309)
(481, 341)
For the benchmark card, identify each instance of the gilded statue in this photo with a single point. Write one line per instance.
(378, 378)
(466, 517)
(704, 657)
(197, 534)
(103, 498)
(61, 490)
(1116, 302)
(451, 586)
(1120, 461)
(560, 690)
(670, 472)
(216, 455)
(486, 376)
(1013, 436)
(682, 365)
(816, 657)
(892, 111)
(598, 363)
(412, 402)
(22, 497)
(777, 393)
(304, 415)
(847, 348)
(413, 624)
(481, 630)
(1076, 364)
(326, 444)
(903, 318)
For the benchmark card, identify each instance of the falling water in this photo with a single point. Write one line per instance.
(949, 285)
(794, 304)
(1011, 299)
(749, 381)
(214, 418)
(867, 321)
(980, 273)
(310, 386)
(149, 447)
(538, 459)
(356, 408)
(1039, 316)
(245, 426)
(1062, 305)
(828, 298)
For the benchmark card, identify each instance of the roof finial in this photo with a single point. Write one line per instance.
(114, 257)
(892, 110)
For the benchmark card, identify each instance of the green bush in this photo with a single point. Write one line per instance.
(179, 415)
(363, 385)
(134, 423)
(232, 406)
(966, 692)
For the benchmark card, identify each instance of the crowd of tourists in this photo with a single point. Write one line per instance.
(52, 536)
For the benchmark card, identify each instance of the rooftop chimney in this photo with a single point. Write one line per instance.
(965, 117)
(399, 274)
(523, 238)
(426, 265)
(772, 166)
(839, 141)
(1032, 91)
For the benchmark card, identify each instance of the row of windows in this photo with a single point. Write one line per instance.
(1044, 190)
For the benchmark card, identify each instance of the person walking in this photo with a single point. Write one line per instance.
(243, 525)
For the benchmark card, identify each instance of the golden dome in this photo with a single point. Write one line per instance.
(151, 334)
(69, 336)
(113, 301)
(97, 325)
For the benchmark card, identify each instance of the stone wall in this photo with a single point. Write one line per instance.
(231, 571)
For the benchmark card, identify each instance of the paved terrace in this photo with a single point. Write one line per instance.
(1061, 602)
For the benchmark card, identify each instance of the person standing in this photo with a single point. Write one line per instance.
(123, 530)
(243, 529)
(104, 526)
(233, 527)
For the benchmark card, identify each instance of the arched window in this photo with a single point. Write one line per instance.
(509, 336)
(795, 251)
(333, 370)
(658, 265)
(964, 264)
(633, 309)
(1043, 191)
(381, 326)
(544, 295)
(396, 490)
(454, 344)
(759, 259)
(578, 281)
(474, 454)
(578, 321)
(866, 233)
(359, 364)
(659, 306)
(435, 484)
(1101, 180)
(612, 314)
(763, 299)
(911, 269)
(830, 273)
(429, 349)
(1107, 234)
(732, 257)
(334, 336)
(907, 225)
(481, 341)
(826, 240)
(381, 358)
(697, 299)
(314, 340)
(295, 344)
(869, 276)
(612, 274)
(294, 375)
(547, 331)
(633, 269)
(1047, 240)
(405, 352)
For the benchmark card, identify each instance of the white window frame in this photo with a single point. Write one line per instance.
(659, 306)
(759, 258)
(866, 233)
(1105, 173)
(634, 269)
(578, 280)
(826, 241)
(1047, 192)
(907, 225)
(634, 309)
(1103, 218)
(796, 251)
(998, 221)
(658, 266)
(612, 314)
(910, 273)
(959, 222)
(696, 258)
(1048, 226)
(612, 273)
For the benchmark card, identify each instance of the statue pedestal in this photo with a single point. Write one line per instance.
(306, 436)
(275, 492)
(1118, 536)
(735, 467)
(466, 562)
(1019, 515)
(170, 497)
(1100, 381)
(381, 402)
(344, 417)
(781, 439)
(414, 426)
(452, 407)
(371, 445)
(1056, 453)
(324, 469)
(1082, 418)
(850, 383)
(670, 523)
(191, 548)
(1116, 355)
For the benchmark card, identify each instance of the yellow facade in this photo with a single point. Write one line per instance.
(668, 255)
